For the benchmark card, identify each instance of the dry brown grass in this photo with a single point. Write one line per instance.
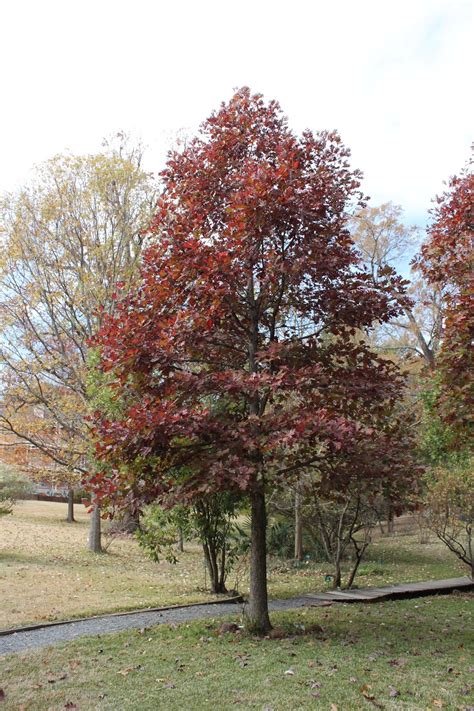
(46, 572)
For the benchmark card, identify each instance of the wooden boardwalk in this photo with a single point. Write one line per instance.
(394, 592)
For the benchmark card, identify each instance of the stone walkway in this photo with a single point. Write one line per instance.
(55, 633)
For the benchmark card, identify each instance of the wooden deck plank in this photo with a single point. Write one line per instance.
(392, 592)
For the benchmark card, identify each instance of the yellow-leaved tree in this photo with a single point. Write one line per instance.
(67, 239)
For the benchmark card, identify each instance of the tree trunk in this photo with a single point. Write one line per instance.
(257, 617)
(222, 575)
(129, 521)
(470, 550)
(180, 544)
(95, 544)
(359, 554)
(298, 527)
(70, 506)
(428, 353)
(217, 579)
(390, 519)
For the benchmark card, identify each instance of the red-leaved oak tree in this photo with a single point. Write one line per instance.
(447, 260)
(238, 358)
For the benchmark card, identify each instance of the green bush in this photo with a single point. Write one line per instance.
(13, 486)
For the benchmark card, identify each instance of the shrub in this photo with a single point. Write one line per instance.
(450, 508)
(13, 486)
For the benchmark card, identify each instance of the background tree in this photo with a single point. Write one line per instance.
(340, 497)
(221, 392)
(385, 243)
(447, 261)
(67, 239)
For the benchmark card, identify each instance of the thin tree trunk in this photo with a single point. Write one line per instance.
(222, 576)
(217, 577)
(180, 545)
(258, 619)
(469, 548)
(298, 527)
(95, 544)
(390, 519)
(359, 554)
(70, 506)
(210, 568)
(328, 547)
(340, 548)
(428, 353)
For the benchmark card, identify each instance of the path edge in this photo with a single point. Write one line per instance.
(236, 599)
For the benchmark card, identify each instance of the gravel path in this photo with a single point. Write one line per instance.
(24, 640)
(57, 633)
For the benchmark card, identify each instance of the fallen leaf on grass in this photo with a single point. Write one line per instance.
(242, 659)
(438, 703)
(2, 695)
(169, 686)
(70, 705)
(398, 662)
(126, 671)
(334, 707)
(451, 670)
(393, 692)
(365, 691)
(52, 680)
(289, 672)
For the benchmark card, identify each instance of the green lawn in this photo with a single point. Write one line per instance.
(39, 551)
(410, 654)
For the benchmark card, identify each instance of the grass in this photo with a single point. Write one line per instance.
(39, 551)
(409, 654)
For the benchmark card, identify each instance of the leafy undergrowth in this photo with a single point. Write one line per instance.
(39, 551)
(410, 654)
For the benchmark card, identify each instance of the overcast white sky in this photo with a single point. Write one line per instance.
(394, 77)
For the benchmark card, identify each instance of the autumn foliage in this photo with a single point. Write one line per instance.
(239, 357)
(447, 259)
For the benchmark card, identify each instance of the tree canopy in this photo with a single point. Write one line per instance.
(236, 355)
(67, 239)
(447, 259)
